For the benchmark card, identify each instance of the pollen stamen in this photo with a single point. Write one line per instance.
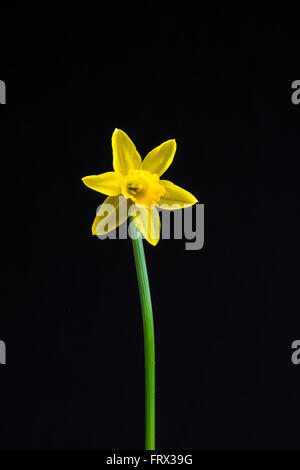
(135, 188)
(142, 187)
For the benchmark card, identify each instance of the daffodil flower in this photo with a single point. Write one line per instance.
(135, 188)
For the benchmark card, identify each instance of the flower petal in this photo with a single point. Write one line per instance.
(148, 221)
(175, 196)
(112, 213)
(107, 183)
(125, 155)
(159, 160)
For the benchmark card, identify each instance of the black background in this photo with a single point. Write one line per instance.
(219, 82)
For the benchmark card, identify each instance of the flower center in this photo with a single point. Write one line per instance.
(142, 187)
(134, 187)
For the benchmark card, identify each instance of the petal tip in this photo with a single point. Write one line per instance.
(152, 241)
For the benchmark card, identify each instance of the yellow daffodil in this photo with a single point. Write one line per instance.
(135, 188)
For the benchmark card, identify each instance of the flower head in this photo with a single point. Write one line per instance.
(135, 188)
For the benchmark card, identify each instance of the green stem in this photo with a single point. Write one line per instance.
(149, 343)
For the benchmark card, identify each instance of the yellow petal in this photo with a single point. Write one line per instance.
(148, 221)
(175, 196)
(107, 183)
(112, 213)
(159, 160)
(125, 155)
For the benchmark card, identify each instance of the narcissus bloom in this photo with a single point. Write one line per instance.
(135, 189)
